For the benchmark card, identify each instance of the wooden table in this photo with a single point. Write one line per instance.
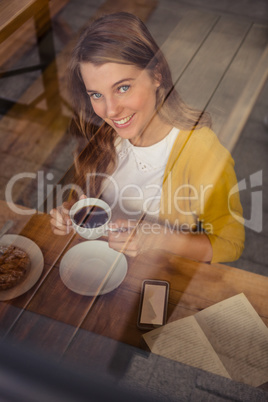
(53, 318)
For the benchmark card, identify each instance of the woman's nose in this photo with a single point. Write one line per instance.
(113, 107)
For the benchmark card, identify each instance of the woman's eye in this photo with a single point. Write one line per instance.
(95, 96)
(123, 88)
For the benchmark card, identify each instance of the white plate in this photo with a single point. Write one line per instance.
(92, 268)
(36, 268)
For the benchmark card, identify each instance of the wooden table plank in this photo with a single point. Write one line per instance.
(237, 77)
(141, 8)
(49, 304)
(223, 51)
(208, 67)
(29, 139)
(192, 285)
(186, 39)
(41, 333)
(232, 129)
(62, 304)
(19, 220)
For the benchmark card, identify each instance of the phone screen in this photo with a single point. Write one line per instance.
(153, 303)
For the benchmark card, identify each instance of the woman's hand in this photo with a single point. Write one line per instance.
(60, 221)
(132, 237)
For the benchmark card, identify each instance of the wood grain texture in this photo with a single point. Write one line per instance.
(236, 78)
(231, 131)
(20, 40)
(212, 59)
(185, 40)
(210, 63)
(194, 286)
(17, 43)
(141, 8)
(19, 219)
(14, 13)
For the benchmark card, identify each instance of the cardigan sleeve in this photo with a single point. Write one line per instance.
(222, 216)
(222, 213)
(208, 168)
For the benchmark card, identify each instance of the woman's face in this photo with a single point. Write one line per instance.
(124, 96)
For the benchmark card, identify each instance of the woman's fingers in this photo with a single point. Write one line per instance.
(127, 247)
(121, 231)
(64, 232)
(123, 237)
(60, 220)
(61, 216)
(60, 225)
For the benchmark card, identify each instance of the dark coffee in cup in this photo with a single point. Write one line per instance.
(90, 217)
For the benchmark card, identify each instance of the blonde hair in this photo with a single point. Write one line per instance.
(120, 38)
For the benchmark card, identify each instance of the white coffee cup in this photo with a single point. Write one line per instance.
(96, 231)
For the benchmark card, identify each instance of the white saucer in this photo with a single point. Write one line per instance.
(37, 264)
(92, 268)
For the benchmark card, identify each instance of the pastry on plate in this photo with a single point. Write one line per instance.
(14, 266)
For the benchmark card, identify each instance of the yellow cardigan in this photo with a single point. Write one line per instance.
(197, 185)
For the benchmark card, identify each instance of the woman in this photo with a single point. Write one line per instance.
(149, 155)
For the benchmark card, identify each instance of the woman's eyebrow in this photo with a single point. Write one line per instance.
(119, 82)
(114, 85)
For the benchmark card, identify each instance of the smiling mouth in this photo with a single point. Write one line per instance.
(123, 121)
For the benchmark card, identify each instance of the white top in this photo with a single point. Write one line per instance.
(135, 186)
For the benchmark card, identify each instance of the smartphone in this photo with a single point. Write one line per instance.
(153, 304)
